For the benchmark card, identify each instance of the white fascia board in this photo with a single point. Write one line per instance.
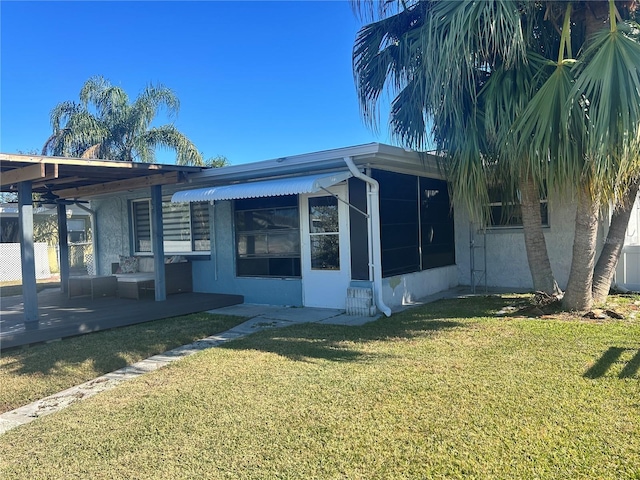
(372, 154)
(407, 161)
(325, 160)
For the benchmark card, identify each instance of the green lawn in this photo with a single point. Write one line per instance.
(30, 373)
(443, 391)
(11, 288)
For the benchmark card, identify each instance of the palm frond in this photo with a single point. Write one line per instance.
(169, 137)
(385, 56)
(608, 77)
(372, 10)
(62, 112)
(551, 131)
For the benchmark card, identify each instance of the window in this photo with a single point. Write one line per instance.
(399, 223)
(508, 213)
(436, 225)
(185, 226)
(416, 223)
(267, 237)
(324, 233)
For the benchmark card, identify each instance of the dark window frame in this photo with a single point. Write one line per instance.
(507, 214)
(264, 226)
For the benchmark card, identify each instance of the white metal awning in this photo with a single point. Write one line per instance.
(266, 188)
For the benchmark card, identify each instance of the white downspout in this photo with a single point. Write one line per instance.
(373, 206)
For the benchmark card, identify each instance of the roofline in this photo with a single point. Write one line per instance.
(18, 157)
(325, 160)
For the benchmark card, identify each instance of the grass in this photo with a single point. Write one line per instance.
(447, 390)
(11, 288)
(30, 373)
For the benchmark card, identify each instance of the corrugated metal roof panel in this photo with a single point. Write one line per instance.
(266, 188)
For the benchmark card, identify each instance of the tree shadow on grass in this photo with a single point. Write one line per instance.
(612, 357)
(307, 342)
(111, 349)
(336, 343)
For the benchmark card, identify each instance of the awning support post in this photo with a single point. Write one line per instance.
(28, 264)
(63, 243)
(157, 243)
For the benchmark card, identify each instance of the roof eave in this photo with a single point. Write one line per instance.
(369, 154)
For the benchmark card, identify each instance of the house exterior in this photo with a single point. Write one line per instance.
(301, 230)
(338, 228)
(364, 228)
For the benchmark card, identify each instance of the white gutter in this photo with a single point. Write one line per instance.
(373, 206)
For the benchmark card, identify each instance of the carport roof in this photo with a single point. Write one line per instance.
(83, 178)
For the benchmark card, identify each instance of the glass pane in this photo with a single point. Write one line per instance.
(267, 237)
(273, 219)
(176, 222)
(268, 267)
(142, 226)
(177, 246)
(323, 215)
(252, 245)
(325, 252)
(200, 223)
(286, 243)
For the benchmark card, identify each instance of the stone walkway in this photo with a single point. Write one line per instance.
(260, 317)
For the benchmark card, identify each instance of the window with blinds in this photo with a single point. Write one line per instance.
(185, 227)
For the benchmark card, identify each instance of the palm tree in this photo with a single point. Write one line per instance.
(505, 99)
(106, 125)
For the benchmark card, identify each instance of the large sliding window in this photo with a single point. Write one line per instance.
(267, 237)
(185, 227)
(416, 223)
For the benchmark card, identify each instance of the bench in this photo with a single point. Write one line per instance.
(177, 275)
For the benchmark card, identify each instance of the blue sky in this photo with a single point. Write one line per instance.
(256, 80)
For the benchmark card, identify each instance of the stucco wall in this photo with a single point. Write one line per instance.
(507, 264)
(113, 231)
(506, 257)
(218, 274)
(407, 289)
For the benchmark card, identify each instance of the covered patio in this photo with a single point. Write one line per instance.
(65, 181)
(60, 316)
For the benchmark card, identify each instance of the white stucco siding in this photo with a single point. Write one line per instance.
(507, 264)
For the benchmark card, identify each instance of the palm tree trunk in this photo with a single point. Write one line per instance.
(535, 244)
(606, 266)
(578, 295)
